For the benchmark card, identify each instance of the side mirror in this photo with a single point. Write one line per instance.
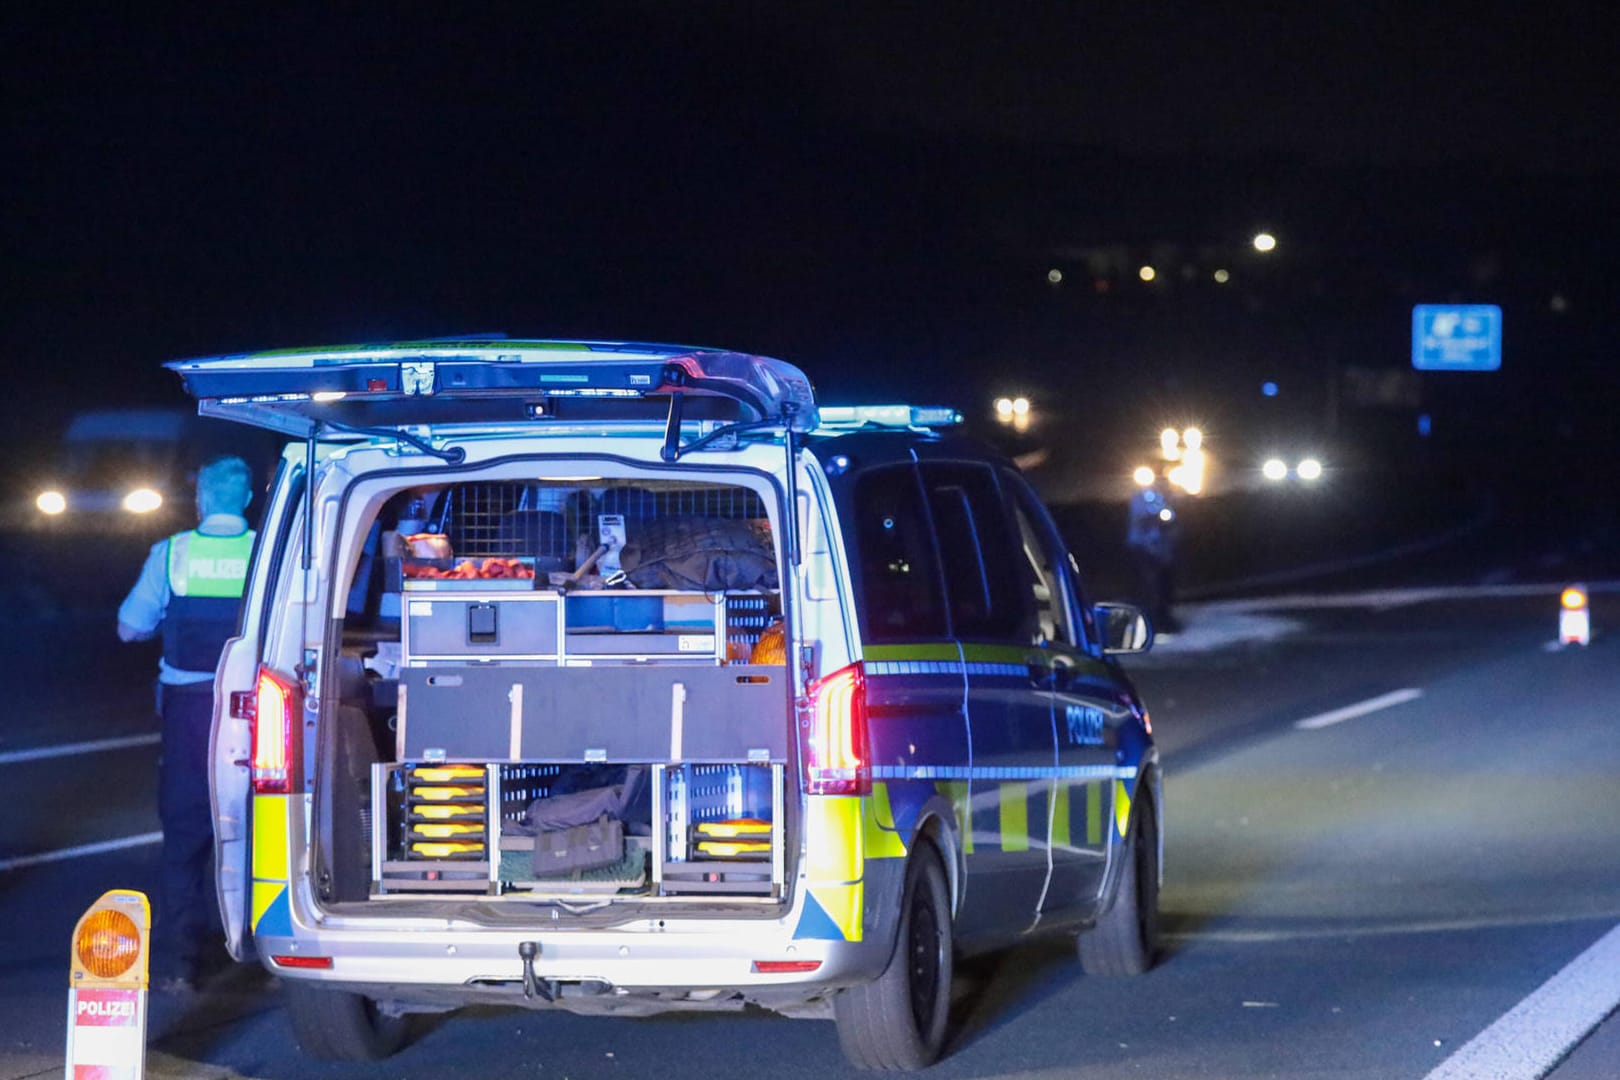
(1124, 628)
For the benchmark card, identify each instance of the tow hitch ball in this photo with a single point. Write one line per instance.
(533, 986)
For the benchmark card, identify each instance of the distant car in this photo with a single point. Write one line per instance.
(129, 471)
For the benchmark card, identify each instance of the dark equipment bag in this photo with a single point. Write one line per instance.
(558, 852)
(701, 554)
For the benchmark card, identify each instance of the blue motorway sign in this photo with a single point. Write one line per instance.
(1456, 337)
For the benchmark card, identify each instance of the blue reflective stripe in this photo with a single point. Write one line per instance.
(1003, 772)
(942, 667)
(1017, 670)
(912, 667)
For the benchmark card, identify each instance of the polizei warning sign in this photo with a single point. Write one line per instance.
(106, 1033)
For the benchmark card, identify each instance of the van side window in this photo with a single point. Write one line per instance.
(978, 551)
(899, 575)
(1044, 586)
(1055, 585)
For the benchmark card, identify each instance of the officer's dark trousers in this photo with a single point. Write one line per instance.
(1154, 588)
(185, 919)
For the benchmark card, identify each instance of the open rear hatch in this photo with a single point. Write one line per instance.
(525, 723)
(496, 729)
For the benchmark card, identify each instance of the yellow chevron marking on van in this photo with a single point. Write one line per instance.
(264, 894)
(1060, 815)
(882, 839)
(842, 904)
(1014, 816)
(269, 838)
(833, 839)
(1094, 814)
(1122, 807)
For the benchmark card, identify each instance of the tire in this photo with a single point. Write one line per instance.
(339, 1025)
(1123, 941)
(898, 1021)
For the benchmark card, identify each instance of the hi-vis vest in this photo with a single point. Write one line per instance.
(206, 578)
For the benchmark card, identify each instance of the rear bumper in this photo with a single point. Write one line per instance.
(650, 957)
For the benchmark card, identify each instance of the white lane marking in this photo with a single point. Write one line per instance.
(1350, 712)
(39, 753)
(1332, 931)
(22, 861)
(1534, 1035)
(1394, 598)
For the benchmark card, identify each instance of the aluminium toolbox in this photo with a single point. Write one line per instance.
(432, 827)
(721, 828)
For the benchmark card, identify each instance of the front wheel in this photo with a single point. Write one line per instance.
(898, 1021)
(1124, 940)
(339, 1025)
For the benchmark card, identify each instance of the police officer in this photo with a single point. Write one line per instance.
(189, 591)
(1151, 536)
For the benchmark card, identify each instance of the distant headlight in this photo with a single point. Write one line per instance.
(142, 501)
(1274, 469)
(51, 502)
(1309, 469)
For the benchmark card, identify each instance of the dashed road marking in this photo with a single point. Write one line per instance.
(1350, 712)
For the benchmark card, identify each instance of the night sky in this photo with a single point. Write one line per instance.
(876, 196)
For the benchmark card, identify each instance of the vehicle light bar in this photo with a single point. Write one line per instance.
(846, 417)
(307, 384)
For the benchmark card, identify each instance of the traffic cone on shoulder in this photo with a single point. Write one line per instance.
(1574, 621)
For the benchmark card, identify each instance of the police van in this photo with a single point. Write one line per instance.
(625, 678)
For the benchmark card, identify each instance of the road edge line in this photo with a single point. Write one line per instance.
(22, 862)
(41, 753)
(1530, 1039)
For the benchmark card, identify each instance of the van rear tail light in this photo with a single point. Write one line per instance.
(276, 707)
(834, 743)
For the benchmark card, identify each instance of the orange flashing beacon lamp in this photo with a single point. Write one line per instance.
(1574, 620)
(106, 1031)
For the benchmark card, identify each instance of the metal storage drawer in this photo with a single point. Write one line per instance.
(480, 626)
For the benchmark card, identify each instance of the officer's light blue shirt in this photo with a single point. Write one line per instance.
(142, 610)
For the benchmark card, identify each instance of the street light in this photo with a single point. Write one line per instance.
(1264, 241)
(1147, 273)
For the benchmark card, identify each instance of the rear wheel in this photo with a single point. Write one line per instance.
(1124, 940)
(339, 1025)
(898, 1021)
